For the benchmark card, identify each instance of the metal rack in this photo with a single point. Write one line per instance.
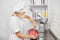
(35, 9)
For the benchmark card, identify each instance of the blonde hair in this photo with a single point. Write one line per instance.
(14, 14)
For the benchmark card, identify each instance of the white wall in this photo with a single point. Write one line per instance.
(6, 7)
(54, 16)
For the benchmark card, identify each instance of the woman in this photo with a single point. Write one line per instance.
(20, 23)
(19, 26)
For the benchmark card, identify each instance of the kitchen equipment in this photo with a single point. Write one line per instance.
(45, 13)
(32, 2)
(33, 32)
(42, 2)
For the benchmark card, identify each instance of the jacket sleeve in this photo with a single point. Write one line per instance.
(14, 25)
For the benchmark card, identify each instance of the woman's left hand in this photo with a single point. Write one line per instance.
(34, 25)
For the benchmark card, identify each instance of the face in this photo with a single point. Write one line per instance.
(20, 14)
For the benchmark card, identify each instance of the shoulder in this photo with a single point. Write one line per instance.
(13, 18)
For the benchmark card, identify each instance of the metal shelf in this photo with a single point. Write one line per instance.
(39, 6)
(38, 18)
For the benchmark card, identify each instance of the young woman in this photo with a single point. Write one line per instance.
(20, 24)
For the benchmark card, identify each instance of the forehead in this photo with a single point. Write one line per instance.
(21, 12)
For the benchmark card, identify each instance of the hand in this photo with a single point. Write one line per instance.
(34, 25)
(32, 37)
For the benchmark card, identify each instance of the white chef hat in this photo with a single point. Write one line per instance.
(19, 7)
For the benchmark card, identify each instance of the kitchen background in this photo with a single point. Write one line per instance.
(6, 8)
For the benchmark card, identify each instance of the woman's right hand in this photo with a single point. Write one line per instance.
(32, 37)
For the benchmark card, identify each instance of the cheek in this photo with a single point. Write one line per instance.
(22, 13)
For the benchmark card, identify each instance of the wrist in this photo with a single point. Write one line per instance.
(28, 36)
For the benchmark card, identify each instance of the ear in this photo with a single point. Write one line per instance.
(14, 14)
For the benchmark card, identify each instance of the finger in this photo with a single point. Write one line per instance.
(34, 38)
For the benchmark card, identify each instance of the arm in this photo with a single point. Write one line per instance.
(20, 35)
(33, 21)
(14, 26)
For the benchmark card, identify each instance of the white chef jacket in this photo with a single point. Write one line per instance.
(20, 24)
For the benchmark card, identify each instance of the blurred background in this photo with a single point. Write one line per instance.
(6, 8)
